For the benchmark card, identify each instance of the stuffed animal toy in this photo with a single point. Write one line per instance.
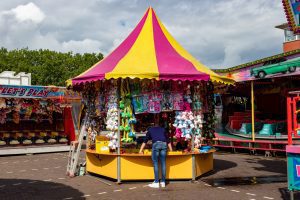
(27, 142)
(128, 119)
(2, 142)
(2, 103)
(14, 142)
(178, 101)
(197, 141)
(16, 117)
(2, 116)
(187, 123)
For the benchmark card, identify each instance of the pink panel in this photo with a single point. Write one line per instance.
(107, 65)
(171, 65)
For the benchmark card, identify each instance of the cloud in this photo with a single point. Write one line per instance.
(218, 33)
(27, 12)
(86, 45)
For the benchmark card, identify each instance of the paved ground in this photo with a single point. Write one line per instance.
(42, 176)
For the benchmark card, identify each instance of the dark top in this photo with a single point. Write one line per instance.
(156, 134)
(181, 145)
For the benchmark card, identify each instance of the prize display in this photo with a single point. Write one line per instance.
(128, 106)
(34, 115)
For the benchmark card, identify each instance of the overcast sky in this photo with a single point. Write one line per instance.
(219, 33)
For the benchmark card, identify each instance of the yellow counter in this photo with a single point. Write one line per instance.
(140, 167)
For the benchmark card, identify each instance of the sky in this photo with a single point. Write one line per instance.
(219, 33)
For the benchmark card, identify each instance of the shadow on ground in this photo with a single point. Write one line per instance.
(35, 189)
(220, 165)
(275, 166)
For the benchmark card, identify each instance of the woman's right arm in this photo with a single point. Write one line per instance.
(142, 148)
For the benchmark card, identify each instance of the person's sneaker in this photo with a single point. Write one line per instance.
(154, 185)
(162, 184)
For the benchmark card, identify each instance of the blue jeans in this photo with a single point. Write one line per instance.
(159, 151)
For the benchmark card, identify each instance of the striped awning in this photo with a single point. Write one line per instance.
(149, 52)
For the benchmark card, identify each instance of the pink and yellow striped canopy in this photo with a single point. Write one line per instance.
(149, 52)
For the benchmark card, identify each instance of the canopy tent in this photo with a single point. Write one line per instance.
(149, 52)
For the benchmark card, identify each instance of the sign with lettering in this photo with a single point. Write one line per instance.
(293, 171)
(11, 91)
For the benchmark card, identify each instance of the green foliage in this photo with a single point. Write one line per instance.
(47, 67)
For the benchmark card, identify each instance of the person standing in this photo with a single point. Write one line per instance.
(160, 141)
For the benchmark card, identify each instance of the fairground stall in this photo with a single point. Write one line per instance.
(35, 119)
(149, 73)
(254, 110)
(293, 151)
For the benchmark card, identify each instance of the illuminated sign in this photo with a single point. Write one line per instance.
(292, 12)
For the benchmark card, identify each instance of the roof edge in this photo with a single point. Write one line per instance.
(259, 61)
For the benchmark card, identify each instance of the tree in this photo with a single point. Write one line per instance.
(47, 67)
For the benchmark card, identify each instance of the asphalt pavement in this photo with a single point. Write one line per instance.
(235, 177)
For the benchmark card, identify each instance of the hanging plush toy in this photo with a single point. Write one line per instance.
(127, 116)
(197, 104)
(112, 114)
(2, 103)
(185, 122)
(178, 101)
(16, 117)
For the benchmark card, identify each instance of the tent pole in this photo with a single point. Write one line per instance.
(193, 159)
(289, 120)
(252, 111)
(119, 145)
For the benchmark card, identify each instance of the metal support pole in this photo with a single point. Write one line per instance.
(193, 159)
(252, 111)
(289, 120)
(119, 150)
(291, 195)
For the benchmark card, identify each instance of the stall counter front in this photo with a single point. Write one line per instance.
(140, 167)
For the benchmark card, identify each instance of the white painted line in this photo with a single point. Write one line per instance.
(234, 191)
(17, 184)
(268, 198)
(9, 172)
(221, 188)
(57, 167)
(86, 195)
(132, 188)
(48, 179)
(61, 178)
(146, 186)
(118, 190)
(68, 198)
(34, 169)
(102, 192)
(32, 182)
(55, 158)
(252, 199)
(4, 162)
(251, 194)
(207, 185)
(15, 162)
(45, 168)
(1, 186)
(23, 170)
